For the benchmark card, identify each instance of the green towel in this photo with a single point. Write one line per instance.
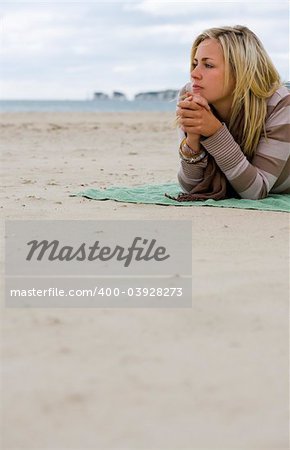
(154, 194)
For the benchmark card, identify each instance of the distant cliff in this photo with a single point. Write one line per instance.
(169, 94)
(166, 95)
(100, 96)
(116, 96)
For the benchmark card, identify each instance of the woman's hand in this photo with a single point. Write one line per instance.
(195, 116)
(192, 140)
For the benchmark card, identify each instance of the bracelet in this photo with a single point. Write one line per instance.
(194, 156)
(194, 159)
(189, 150)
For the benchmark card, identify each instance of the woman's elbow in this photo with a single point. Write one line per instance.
(255, 195)
(182, 184)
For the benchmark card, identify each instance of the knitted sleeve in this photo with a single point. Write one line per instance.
(270, 167)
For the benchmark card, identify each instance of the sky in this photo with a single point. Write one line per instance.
(69, 50)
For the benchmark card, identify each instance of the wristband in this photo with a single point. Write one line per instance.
(194, 156)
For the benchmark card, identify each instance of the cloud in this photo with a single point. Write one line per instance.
(206, 8)
(125, 69)
(60, 49)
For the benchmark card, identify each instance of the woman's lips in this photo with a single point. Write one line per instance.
(196, 88)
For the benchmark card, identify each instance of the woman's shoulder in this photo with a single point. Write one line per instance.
(277, 103)
(280, 94)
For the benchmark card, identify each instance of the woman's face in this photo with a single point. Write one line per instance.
(208, 72)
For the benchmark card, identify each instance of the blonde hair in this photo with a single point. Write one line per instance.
(255, 76)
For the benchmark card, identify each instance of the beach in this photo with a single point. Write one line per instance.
(212, 376)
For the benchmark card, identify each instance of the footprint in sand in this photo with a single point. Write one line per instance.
(28, 181)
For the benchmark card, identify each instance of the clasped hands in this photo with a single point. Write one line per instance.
(194, 116)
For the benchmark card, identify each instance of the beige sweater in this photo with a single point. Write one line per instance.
(269, 170)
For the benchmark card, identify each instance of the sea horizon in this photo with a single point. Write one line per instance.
(91, 105)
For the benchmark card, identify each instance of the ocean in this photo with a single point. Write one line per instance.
(86, 105)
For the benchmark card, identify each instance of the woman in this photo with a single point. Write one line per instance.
(234, 120)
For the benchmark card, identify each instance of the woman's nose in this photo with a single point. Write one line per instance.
(195, 73)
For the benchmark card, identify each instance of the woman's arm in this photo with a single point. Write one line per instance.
(250, 180)
(256, 179)
(189, 175)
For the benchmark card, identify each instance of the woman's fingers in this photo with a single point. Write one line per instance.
(188, 113)
(194, 102)
(188, 104)
(201, 101)
(190, 123)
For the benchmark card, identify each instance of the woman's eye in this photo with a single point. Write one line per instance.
(208, 66)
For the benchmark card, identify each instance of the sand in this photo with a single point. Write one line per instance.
(214, 376)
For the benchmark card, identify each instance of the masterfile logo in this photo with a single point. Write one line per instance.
(93, 263)
(145, 250)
